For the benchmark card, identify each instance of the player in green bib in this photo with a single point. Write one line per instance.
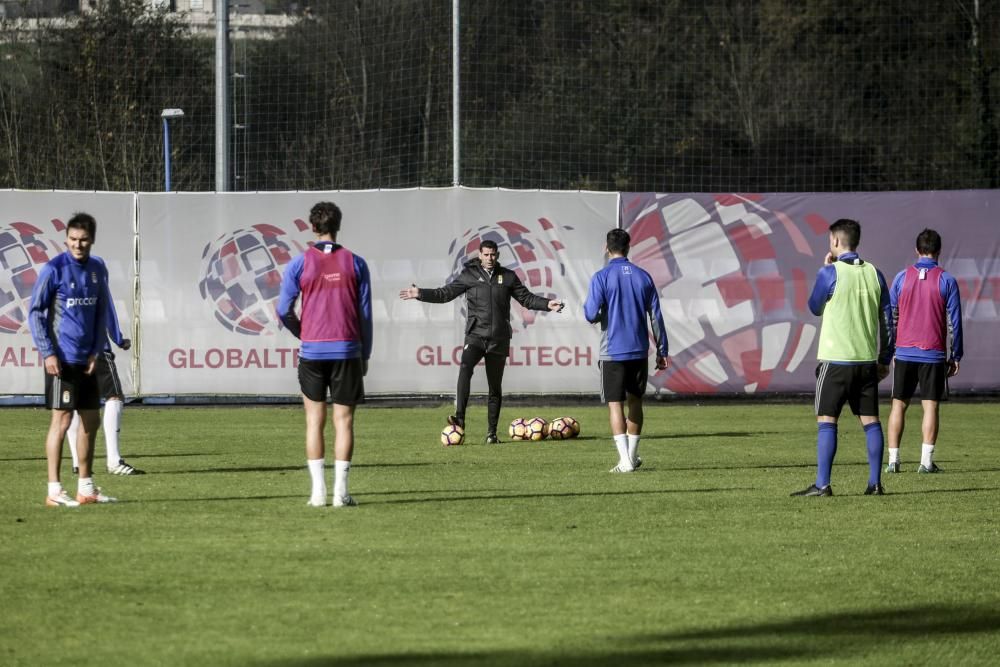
(855, 348)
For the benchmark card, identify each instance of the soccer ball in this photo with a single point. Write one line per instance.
(452, 435)
(518, 429)
(573, 425)
(559, 429)
(538, 428)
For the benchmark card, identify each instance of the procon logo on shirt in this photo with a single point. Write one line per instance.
(82, 301)
(331, 277)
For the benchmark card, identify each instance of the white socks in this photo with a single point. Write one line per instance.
(633, 447)
(340, 471)
(318, 497)
(74, 428)
(85, 486)
(893, 454)
(112, 424)
(926, 455)
(54, 489)
(621, 444)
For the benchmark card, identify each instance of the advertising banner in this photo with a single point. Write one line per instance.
(211, 266)
(735, 272)
(33, 231)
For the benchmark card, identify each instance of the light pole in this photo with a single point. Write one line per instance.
(166, 115)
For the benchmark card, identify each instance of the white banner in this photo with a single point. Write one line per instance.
(211, 267)
(32, 231)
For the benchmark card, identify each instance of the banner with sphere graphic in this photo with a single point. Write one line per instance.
(735, 272)
(211, 267)
(33, 231)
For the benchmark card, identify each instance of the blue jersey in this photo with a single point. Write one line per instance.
(69, 309)
(621, 297)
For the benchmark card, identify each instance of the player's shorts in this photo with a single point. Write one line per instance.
(854, 384)
(343, 378)
(932, 378)
(108, 382)
(619, 378)
(72, 389)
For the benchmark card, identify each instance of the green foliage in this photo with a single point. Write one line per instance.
(778, 95)
(522, 554)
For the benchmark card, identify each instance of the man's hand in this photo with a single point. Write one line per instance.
(662, 363)
(952, 368)
(52, 365)
(91, 364)
(556, 306)
(829, 259)
(883, 371)
(410, 292)
(126, 344)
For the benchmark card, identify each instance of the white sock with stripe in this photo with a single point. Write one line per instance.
(74, 427)
(318, 496)
(112, 425)
(340, 471)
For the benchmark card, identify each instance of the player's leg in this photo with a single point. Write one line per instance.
(472, 354)
(613, 393)
(831, 392)
(90, 420)
(864, 403)
(348, 390)
(897, 424)
(495, 365)
(904, 384)
(933, 390)
(314, 381)
(114, 401)
(343, 424)
(59, 401)
(71, 433)
(636, 374)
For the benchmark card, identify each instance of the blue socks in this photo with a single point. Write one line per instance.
(826, 449)
(875, 443)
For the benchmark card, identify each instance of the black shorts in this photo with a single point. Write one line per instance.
(344, 378)
(855, 384)
(619, 378)
(73, 389)
(108, 382)
(932, 378)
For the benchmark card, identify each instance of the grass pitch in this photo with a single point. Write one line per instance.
(523, 554)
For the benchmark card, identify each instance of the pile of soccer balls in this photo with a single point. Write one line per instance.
(536, 428)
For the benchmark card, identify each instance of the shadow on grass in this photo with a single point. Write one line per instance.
(836, 635)
(283, 468)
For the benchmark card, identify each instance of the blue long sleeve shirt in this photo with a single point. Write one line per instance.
(69, 309)
(621, 297)
(826, 283)
(953, 305)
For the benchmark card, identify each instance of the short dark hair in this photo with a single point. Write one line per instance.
(849, 232)
(618, 241)
(84, 221)
(929, 242)
(489, 244)
(325, 218)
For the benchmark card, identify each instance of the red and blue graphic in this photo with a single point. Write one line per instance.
(734, 280)
(242, 276)
(535, 255)
(24, 250)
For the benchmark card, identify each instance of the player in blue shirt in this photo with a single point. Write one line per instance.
(622, 298)
(68, 321)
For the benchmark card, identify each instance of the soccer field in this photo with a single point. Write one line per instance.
(523, 554)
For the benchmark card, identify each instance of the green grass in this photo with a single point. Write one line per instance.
(525, 554)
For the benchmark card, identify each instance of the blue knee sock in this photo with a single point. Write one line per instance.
(826, 449)
(875, 443)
